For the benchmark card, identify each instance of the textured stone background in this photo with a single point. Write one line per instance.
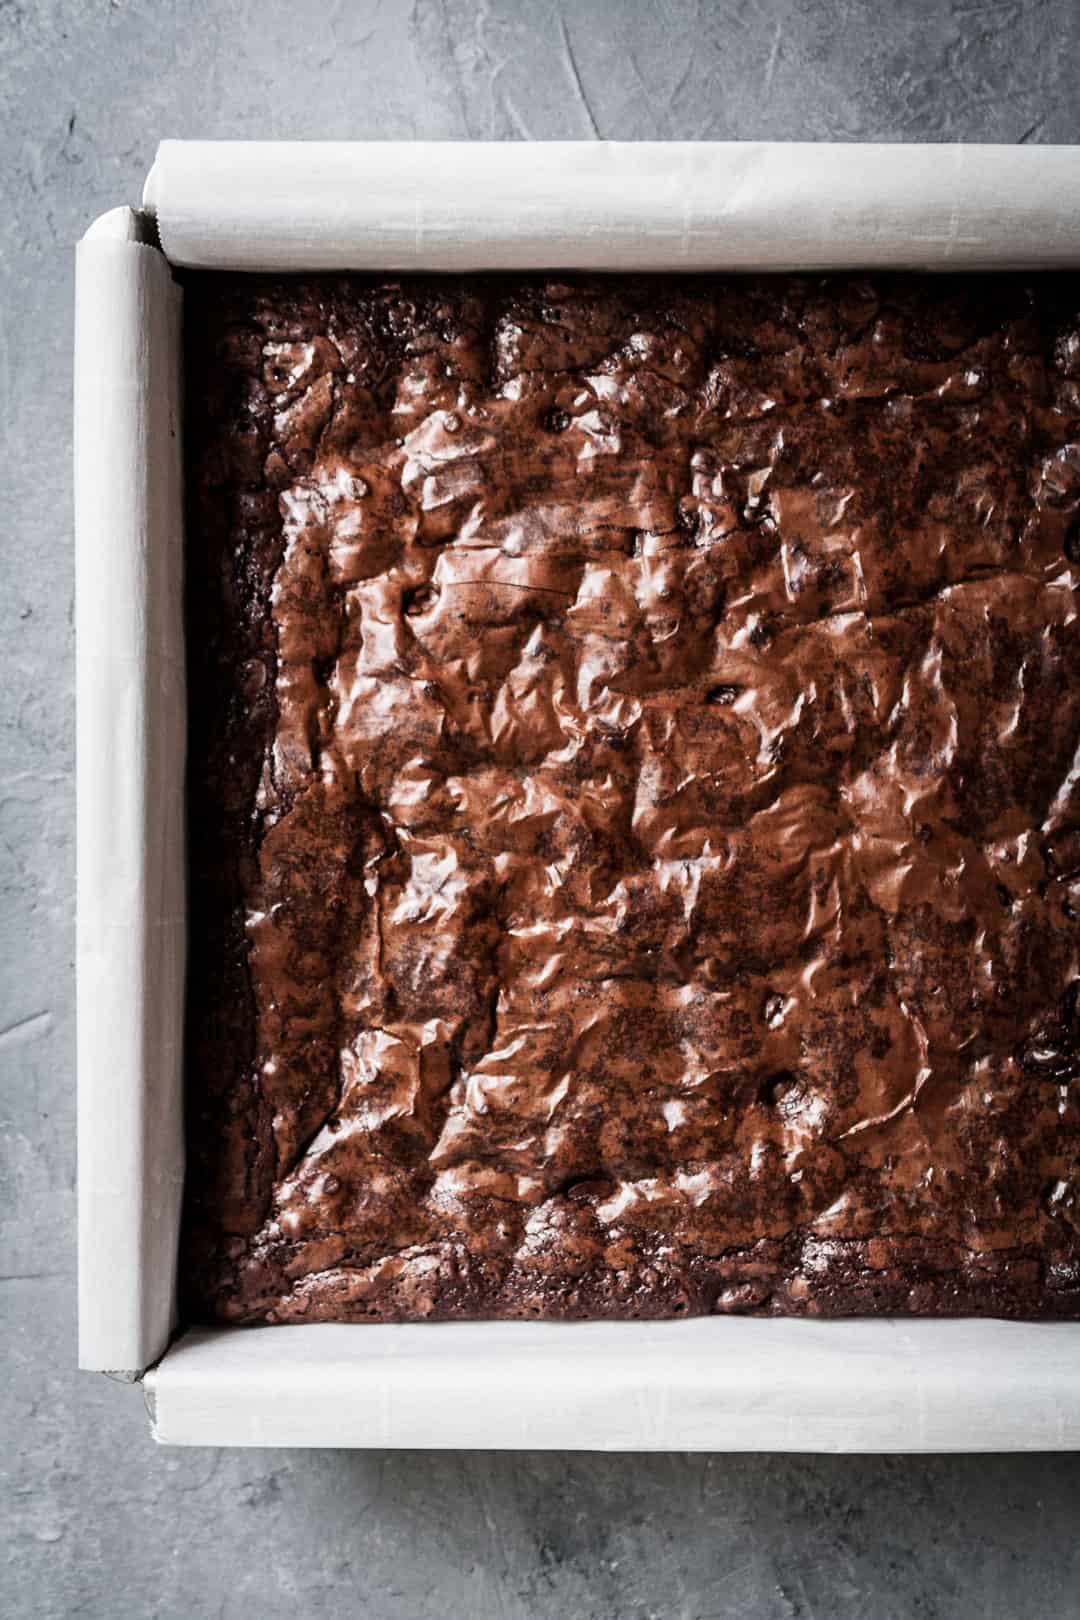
(99, 1522)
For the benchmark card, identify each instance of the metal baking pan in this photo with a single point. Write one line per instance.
(716, 1384)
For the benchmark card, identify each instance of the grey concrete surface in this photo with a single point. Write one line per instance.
(97, 1521)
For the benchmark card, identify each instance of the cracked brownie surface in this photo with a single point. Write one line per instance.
(634, 796)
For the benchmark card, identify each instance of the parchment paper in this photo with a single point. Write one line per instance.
(610, 205)
(714, 1384)
(130, 742)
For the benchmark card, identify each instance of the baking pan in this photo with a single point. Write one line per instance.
(720, 1383)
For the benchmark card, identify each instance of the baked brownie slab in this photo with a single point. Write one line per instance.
(634, 797)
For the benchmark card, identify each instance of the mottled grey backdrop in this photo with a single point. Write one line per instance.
(99, 1522)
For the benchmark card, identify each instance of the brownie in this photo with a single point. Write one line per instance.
(634, 797)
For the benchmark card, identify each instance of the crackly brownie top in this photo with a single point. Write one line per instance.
(634, 796)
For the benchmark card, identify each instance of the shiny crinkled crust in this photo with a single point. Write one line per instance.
(634, 797)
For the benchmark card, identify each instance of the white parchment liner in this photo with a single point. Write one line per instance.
(265, 205)
(130, 745)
